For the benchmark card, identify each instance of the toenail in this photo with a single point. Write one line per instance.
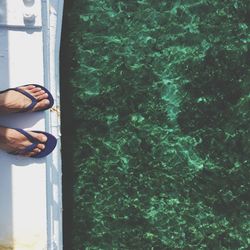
(46, 101)
(43, 138)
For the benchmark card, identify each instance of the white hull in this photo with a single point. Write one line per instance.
(30, 190)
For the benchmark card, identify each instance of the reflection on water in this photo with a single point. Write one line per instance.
(160, 96)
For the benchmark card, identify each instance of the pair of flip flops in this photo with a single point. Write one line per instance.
(51, 142)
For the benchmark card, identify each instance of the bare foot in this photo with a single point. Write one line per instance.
(14, 142)
(13, 101)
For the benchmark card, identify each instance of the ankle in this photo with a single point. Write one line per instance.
(3, 134)
(2, 100)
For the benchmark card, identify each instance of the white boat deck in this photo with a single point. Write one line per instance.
(30, 189)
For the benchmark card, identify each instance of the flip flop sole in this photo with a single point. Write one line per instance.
(50, 145)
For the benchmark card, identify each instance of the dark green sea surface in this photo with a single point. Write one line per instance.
(161, 97)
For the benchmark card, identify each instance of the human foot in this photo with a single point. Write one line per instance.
(15, 142)
(12, 101)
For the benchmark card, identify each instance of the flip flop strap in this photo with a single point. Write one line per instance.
(32, 98)
(33, 140)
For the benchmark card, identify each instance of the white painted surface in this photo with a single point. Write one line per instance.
(30, 190)
(54, 199)
(20, 12)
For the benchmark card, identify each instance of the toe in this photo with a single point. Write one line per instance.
(42, 104)
(33, 152)
(42, 96)
(30, 154)
(38, 93)
(41, 146)
(40, 137)
(36, 89)
(36, 150)
(27, 87)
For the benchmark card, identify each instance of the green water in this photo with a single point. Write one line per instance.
(161, 124)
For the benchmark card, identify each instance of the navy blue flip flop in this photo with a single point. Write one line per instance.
(50, 144)
(33, 99)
